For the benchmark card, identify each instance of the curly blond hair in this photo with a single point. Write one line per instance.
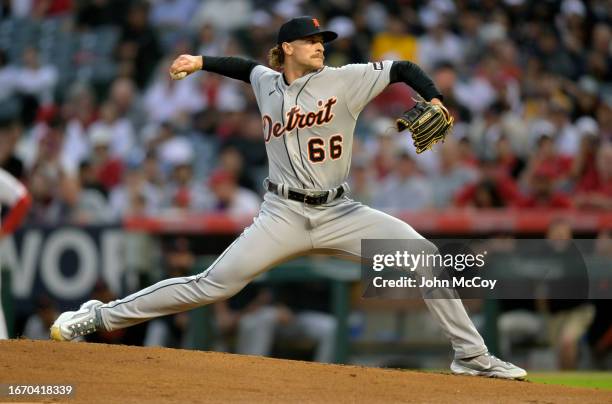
(276, 57)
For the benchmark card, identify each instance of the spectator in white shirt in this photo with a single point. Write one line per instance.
(172, 14)
(439, 45)
(230, 198)
(36, 79)
(453, 175)
(166, 99)
(404, 189)
(120, 129)
(81, 110)
(135, 196)
(211, 42)
(224, 14)
(567, 137)
(124, 95)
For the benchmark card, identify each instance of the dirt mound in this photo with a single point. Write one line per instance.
(109, 373)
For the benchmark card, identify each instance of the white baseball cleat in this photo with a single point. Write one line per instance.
(487, 365)
(72, 324)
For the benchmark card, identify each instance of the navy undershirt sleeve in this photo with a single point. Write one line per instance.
(411, 74)
(230, 66)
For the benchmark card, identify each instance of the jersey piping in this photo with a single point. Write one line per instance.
(285, 138)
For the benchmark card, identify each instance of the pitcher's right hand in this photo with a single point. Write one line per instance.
(185, 65)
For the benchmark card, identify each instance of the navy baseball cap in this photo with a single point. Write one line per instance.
(301, 27)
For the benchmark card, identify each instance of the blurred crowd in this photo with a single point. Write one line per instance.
(95, 127)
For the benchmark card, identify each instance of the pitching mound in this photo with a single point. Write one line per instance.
(110, 373)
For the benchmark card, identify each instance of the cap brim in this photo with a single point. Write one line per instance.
(328, 36)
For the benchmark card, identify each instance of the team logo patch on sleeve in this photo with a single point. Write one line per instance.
(377, 65)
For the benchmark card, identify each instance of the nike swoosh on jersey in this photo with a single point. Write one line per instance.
(271, 92)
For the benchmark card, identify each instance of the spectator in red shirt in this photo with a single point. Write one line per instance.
(51, 8)
(495, 189)
(542, 191)
(547, 160)
(596, 193)
(109, 169)
(584, 168)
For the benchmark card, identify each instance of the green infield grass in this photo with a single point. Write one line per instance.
(600, 380)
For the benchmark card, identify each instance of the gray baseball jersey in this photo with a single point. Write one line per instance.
(308, 129)
(308, 125)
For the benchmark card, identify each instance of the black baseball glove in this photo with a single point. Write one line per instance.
(429, 124)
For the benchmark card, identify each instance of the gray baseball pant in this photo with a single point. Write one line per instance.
(283, 230)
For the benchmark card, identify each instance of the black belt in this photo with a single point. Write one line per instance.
(309, 197)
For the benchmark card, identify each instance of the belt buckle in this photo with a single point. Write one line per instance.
(315, 198)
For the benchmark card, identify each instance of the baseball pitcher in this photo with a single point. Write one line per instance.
(308, 113)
